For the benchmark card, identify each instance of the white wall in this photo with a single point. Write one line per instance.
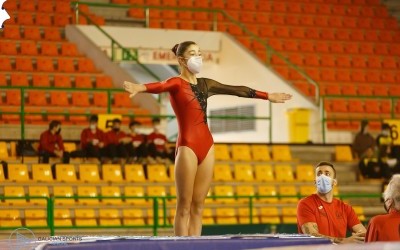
(236, 66)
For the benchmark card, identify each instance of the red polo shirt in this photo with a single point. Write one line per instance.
(48, 142)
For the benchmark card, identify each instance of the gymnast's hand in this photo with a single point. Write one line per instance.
(279, 97)
(133, 88)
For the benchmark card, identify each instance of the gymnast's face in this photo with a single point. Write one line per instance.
(192, 50)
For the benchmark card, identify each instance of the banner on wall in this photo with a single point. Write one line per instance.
(394, 130)
(164, 56)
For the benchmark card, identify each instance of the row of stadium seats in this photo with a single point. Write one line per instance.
(31, 48)
(135, 194)
(382, 107)
(155, 173)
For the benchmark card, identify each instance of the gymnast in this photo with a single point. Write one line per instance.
(194, 160)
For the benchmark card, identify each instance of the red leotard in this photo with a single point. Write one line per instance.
(189, 102)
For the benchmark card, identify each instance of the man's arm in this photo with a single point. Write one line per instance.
(359, 228)
(311, 228)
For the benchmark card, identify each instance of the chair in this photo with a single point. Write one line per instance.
(288, 191)
(134, 173)
(281, 153)
(61, 20)
(8, 48)
(156, 191)
(18, 172)
(372, 107)
(14, 191)
(35, 218)
(45, 64)
(269, 215)
(65, 173)
(5, 64)
(247, 190)
(40, 80)
(359, 210)
(52, 34)
(49, 49)
(305, 172)
(349, 89)
(244, 172)
(12, 32)
(284, 173)
(43, 19)
(88, 191)
(85, 217)
(221, 152)
(86, 65)
(109, 217)
(241, 152)
(224, 190)
(111, 192)
(244, 216)
(122, 100)
(132, 217)
(260, 153)
(63, 191)
(289, 215)
(24, 18)
(13, 97)
(23, 64)
(42, 173)
(10, 218)
(264, 173)
(100, 99)
(83, 82)
(69, 49)
(62, 81)
(59, 99)
(157, 173)
(112, 173)
(226, 216)
(31, 33)
(89, 173)
(343, 153)
(66, 65)
(62, 217)
(19, 79)
(222, 172)
(104, 82)
(135, 191)
(42, 191)
(80, 99)
(307, 190)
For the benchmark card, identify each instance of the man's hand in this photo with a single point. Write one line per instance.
(101, 145)
(279, 97)
(133, 88)
(355, 238)
(58, 153)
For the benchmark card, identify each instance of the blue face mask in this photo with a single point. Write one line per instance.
(324, 184)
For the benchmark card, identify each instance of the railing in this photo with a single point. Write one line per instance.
(126, 54)
(155, 201)
(324, 119)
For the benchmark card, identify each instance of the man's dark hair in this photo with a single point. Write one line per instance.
(94, 118)
(54, 124)
(134, 123)
(116, 120)
(385, 126)
(326, 163)
(156, 120)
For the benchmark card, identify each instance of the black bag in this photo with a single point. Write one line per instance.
(25, 148)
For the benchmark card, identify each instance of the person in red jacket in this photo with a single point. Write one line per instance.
(387, 227)
(322, 215)
(114, 140)
(51, 144)
(92, 139)
(158, 144)
(135, 143)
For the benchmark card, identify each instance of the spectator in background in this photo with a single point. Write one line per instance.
(51, 144)
(324, 216)
(136, 143)
(115, 148)
(158, 144)
(364, 142)
(384, 141)
(92, 139)
(386, 227)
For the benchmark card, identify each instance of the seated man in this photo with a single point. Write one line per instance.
(158, 144)
(115, 148)
(363, 142)
(51, 144)
(322, 215)
(386, 227)
(92, 139)
(135, 143)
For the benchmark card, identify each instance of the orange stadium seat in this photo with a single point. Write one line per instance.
(221, 152)
(343, 153)
(288, 191)
(42, 173)
(28, 48)
(44, 64)
(19, 79)
(12, 32)
(284, 173)
(61, 20)
(59, 99)
(241, 152)
(18, 172)
(23, 64)
(208, 218)
(281, 153)
(69, 49)
(157, 173)
(63, 7)
(89, 173)
(260, 153)
(244, 172)
(10, 218)
(304, 172)
(226, 216)
(5, 64)
(42, 191)
(65, 173)
(122, 100)
(49, 49)
(247, 190)
(63, 191)
(244, 216)
(269, 215)
(35, 218)
(134, 191)
(111, 191)
(25, 18)
(222, 172)
(289, 215)
(8, 48)
(66, 65)
(80, 99)
(104, 82)
(224, 190)
(133, 217)
(32, 33)
(112, 173)
(134, 173)
(86, 65)
(43, 19)
(264, 173)
(83, 82)
(52, 34)
(85, 217)
(88, 191)
(109, 217)
(156, 191)
(307, 190)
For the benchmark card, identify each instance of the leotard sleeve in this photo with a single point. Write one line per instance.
(216, 88)
(169, 85)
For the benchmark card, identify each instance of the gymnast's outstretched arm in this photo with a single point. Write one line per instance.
(216, 88)
(154, 88)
